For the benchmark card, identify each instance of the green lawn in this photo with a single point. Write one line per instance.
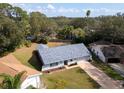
(74, 78)
(28, 57)
(54, 44)
(106, 68)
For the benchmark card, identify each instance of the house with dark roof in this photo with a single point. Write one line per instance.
(108, 52)
(57, 57)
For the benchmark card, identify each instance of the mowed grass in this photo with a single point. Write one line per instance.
(54, 44)
(28, 55)
(74, 78)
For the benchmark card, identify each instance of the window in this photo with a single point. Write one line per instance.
(53, 64)
(71, 59)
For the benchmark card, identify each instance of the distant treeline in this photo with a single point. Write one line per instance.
(18, 28)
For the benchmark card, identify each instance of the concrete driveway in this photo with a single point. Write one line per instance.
(99, 76)
(118, 67)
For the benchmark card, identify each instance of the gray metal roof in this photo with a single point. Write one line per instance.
(61, 53)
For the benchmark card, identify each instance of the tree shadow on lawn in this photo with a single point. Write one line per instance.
(35, 61)
(93, 82)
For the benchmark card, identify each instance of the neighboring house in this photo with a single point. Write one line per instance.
(108, 52)
(53, 35)
(30, 37)
(57, 57)
(32, 77)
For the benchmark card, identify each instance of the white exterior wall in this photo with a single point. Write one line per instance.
(72, 62)
(61, 64)
(33, 80)
(78, 59)
(99, 53)
(87, 58)
(47, 67)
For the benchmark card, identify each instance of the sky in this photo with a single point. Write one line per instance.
(73, 9)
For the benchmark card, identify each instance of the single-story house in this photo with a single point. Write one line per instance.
(57, 57)
(30, 78)
(108, 52)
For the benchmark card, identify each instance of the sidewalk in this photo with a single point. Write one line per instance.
(99, 76)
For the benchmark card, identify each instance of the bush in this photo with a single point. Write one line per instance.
(27, 43)
(4, 53)
(44, 40)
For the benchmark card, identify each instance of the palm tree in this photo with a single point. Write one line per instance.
(88, 13)
(10, 82)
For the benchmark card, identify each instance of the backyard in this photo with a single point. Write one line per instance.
(74, 78)
(54, 44)
(28, 56)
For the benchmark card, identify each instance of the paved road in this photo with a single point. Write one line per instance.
(99, 76)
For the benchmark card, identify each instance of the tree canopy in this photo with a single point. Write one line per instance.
(17, 28)
(11, 82)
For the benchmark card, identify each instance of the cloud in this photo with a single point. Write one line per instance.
(38, 7)
(19, 4)
(68, 10)
(51, 10)
(103, 10)
(50, 7)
